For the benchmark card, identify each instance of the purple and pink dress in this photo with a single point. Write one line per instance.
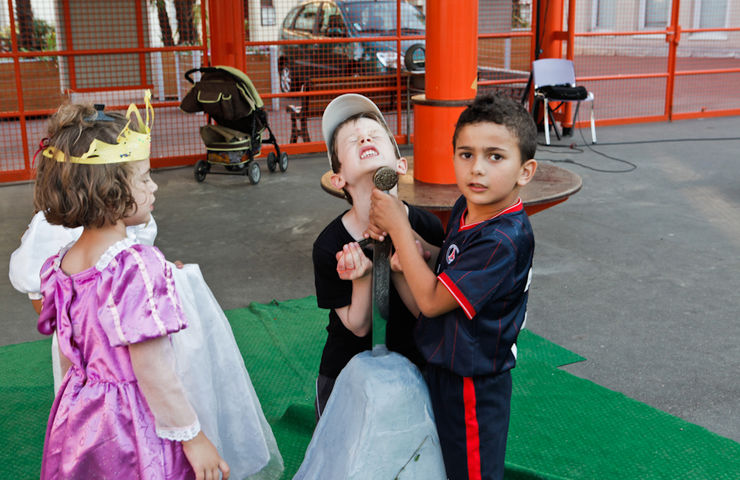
(101, 425)
(207, 359)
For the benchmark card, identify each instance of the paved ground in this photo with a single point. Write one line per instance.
(638, 272)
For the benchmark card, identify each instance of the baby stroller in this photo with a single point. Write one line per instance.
(228, 96)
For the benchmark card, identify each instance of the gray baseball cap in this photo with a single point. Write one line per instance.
(343, 107)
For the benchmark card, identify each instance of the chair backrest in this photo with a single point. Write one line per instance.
(553, 71)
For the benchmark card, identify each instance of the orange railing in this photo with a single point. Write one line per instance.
(671, 74)
(22, 120)
(667, 86)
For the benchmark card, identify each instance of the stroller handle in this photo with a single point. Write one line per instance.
(201, 70)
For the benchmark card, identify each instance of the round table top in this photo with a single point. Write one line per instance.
(550, 185)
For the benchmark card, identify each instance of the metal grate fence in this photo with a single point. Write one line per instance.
(653, 60)
(645, 60)
(55, 51)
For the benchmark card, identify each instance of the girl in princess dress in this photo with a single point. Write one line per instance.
(153, 398)
(40, 241)
(227, 406)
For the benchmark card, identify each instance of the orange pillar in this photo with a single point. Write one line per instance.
(551, 28)
(227, 33)
(450, 84)
(551, 13)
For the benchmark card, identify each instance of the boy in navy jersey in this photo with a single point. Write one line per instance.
(359, 142)
(474, 304)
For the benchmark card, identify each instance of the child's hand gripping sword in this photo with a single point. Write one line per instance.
(384, 179)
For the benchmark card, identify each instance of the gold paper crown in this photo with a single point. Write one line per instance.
(130, 146)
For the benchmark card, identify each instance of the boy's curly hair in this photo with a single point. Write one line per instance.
(504, 111)
(73, 194)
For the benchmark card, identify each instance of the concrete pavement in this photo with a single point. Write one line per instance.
(638, 272)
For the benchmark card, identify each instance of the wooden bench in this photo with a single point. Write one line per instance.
(307, 106)
(517, 88)
(109, 96)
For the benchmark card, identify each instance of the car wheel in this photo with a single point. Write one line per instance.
(286, 78)
(414, 58)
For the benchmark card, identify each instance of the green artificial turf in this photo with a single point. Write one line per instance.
(561, 426)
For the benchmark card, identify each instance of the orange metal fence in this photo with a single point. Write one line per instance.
(655, 61)
(109, 52)
(97, 52)
(352, 47)
(300, 55)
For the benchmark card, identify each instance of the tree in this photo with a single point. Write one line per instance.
(187, 33)
(164, 23)
(24, 25)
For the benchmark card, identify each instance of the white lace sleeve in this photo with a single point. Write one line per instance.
(154, 365)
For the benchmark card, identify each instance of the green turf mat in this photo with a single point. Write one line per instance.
(281, 345)
(26, 393)
(562, 427)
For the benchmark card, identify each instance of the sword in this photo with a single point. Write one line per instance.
(384, 179)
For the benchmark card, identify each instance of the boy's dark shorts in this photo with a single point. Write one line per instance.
(472, 417)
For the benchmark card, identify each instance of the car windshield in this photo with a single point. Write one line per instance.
(380, 17)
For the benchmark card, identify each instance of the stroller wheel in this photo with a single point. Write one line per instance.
(254, 173)
(272, 161)
(283, 161)
(201, 169)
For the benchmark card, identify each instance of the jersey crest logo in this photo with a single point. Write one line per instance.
(452, 252)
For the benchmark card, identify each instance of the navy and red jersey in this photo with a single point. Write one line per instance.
(487, 267)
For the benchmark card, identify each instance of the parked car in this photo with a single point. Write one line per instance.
(324, 19)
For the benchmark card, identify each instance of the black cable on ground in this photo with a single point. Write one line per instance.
(576, 148)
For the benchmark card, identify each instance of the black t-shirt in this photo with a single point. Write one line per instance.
(333, 292)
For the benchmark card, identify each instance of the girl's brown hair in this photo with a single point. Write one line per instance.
(73, 194)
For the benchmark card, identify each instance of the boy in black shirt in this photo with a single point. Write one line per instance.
(358, 143)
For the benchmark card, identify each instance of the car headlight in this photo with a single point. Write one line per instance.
(389, 59)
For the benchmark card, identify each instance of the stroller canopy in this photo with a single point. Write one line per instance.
(224, 93)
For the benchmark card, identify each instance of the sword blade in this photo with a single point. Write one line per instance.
(380, 292)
